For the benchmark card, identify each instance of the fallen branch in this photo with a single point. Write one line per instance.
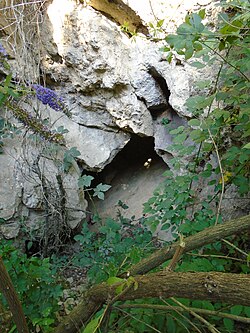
(205, 237)
(211, 286)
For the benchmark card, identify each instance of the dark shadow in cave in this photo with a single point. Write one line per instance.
(133, 156)
(161, 81)
(134, 174)
(157, 110)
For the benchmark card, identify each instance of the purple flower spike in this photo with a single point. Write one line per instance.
(49, 97)
(3, 51)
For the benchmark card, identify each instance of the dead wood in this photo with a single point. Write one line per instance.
(213, 286)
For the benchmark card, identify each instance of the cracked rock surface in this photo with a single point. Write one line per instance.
(115, 87)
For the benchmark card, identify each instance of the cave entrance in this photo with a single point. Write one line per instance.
(133, 174)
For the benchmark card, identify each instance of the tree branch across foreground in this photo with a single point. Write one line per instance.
(213, 286)
(207, 236)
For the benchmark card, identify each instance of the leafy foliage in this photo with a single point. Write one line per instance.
(84, 183)
(117, 244)
(35, 281)
(219, 127)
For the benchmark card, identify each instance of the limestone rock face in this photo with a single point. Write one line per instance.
(35, 192)
(10, 192)
(115, 88)
(110, 83)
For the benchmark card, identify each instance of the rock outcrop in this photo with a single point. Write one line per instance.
(115, 87)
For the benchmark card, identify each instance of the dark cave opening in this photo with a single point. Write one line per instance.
(133, 174)
(137, 152)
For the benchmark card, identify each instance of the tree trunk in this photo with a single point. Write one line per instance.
(8, 290)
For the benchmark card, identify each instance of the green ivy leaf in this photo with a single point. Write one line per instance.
(85, 181)
(113, 280)
(242, 183)
(189, 52)
(176, 42)
(165, 49)
(160, 23)
(180, 138)
(177, 130)
(169, 57)
(165, 226)
(196, 134)
(99, 195)
(222, 45)
(207, 305)
(247, 310)
(229, 324)
(103, 187)
(194, 122)
(69, 157)
(197, 64)
(62, 130)
(206, 173)
(233, 26)
(236, 310)
(195, 20)
(202, 13)
(247, 146)
(197, 46)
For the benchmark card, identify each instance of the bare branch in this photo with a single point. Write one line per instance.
(211, 286)
(207, 236)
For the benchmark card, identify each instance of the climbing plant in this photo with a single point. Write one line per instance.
(219, 127)
(218, 130)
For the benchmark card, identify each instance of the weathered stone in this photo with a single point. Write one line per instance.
(233, 205)
(120, 12)
(162, 137)
(148, 90)
(131, 114)
(97, 146)
(113, 86)
(30, 183)
(10, 230)
(10, 191)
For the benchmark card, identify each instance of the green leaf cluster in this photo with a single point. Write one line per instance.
(84, 182)
(220, 125)
(221, 111)
(218, 130)
(117, 244)
(38, 289)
